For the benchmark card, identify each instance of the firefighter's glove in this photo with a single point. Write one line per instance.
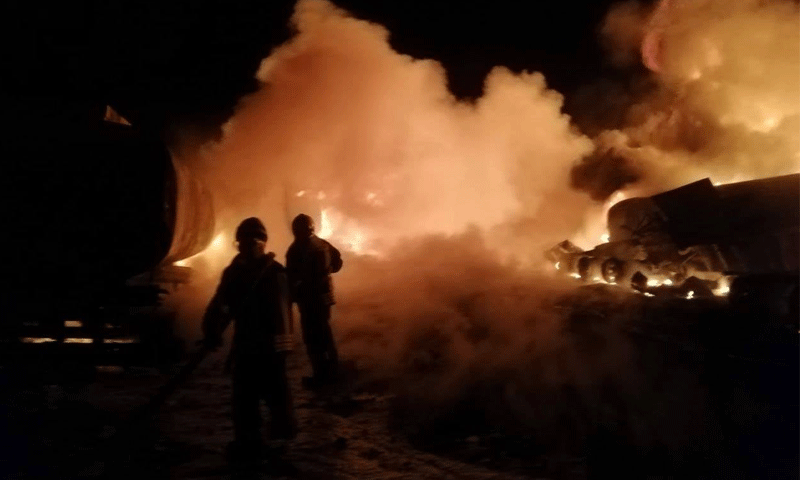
(284, 343)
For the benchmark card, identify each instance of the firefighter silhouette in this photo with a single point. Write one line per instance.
(254, 294)
(310, 261)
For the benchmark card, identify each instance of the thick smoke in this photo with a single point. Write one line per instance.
(451, 198)
(377, 137)
(725, 102)
(455, 202)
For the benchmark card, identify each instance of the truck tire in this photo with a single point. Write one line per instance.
(584, 264)
(612, 270)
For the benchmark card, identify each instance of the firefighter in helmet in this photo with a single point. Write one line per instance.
(254, 294)
(310, 261)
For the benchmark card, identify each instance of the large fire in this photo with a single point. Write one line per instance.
(595, 230)
(382, 152)
(727, 106)
(346, 233)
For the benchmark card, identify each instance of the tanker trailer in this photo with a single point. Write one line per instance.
(698, 239)
(97, 215)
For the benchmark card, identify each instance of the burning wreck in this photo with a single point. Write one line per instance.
(699, 239)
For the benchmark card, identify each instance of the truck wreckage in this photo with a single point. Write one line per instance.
(738, 239)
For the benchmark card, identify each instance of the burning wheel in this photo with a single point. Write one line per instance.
(612, 270)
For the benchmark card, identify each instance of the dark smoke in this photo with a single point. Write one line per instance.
(604, 172)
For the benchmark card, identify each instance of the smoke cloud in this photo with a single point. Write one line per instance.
(725, 102)
(376, 138)
(443, 208)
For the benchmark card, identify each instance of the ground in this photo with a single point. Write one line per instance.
(704, 401)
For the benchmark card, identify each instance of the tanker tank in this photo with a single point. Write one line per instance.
(99, 214)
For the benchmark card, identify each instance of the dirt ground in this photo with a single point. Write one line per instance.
(82, 431)
(338, 439)
(693, 409)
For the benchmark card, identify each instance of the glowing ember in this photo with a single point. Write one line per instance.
(73, 323)
(690, 295)
(558, 265)
(37, 340)
(121, 340)
(653, 283)
(723, 287)
(575, 275)
(78, 340)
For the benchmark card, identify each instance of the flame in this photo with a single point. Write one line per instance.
(120, 340)
(345, 232)
(690, 295)
(325, 226)
(214, 249)
(723, 287)
(37, 340)
(595, 229)
(654, 282)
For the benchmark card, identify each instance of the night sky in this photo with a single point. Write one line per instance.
(162, 63)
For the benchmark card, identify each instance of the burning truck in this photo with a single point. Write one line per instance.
(738, 239)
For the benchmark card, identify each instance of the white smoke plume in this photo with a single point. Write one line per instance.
(452, 197)
(376, 137)
(454, 202)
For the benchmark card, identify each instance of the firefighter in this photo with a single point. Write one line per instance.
(310, 261)
(254, 294)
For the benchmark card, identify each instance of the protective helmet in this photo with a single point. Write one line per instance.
(251, 228)
(302, 225)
